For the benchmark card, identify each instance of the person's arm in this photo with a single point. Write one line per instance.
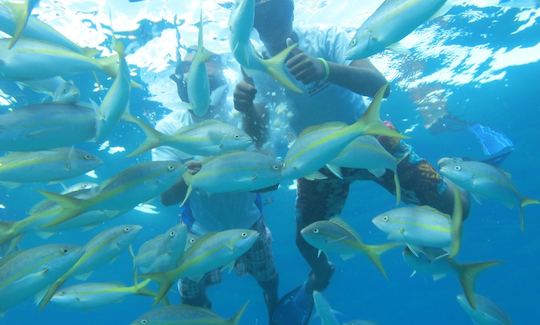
(360, 76)
(254, 116)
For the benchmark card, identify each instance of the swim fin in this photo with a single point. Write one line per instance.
(294, 308)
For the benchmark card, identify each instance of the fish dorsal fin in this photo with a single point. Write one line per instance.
(328, 125)
(194, 126)
(340, 222)
(435, 211)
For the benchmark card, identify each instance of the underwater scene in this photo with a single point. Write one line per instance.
(281, 162)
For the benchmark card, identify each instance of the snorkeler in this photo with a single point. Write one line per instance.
(333, 89)
(203, 213)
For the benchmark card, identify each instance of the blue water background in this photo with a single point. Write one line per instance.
(358, 291)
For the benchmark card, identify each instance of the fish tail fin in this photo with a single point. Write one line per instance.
(142, 290)
(370, 122)
(72, 207)
(108, 64)
(118, 47)
(165, 283)
(153, 139)
(467, 277)
(374, 253)
(235, 320)
(457, 223)
(525, 202)
(90, 52)
(10, 236)
(21, 12)
(275, 68)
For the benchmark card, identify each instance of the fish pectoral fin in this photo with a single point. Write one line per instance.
(83, 277)
(337, 240)
(414, 250)
(346, 257)
(412, 274)
(335, 170)
(377, 172)
(476, 198)
(437, 277)
(39, 296)
(229, 267)
(44, 234)
(399, 48)
(10, 185)
(315, 176)
(319, 253)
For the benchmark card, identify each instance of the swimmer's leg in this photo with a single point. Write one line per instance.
(318, 200)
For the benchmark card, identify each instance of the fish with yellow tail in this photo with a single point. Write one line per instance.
(419, 227)
(186, 315)
(366, 152)
(485, 181)
(335, 235)
(206, 138)
(13, 15)
(28, 272)
(91, 295)
(486, 311)
(102, 249)
(391, 22)
(318, 145)
(198, 84)
(21, 13)
(116, 100)
(209, 252)
(163, 252)
(241, 24)
(31, 59)
(124, 191)
(430, 262)
(239, 171)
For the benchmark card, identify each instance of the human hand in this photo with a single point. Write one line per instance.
(193, 166)
(304, 67)
(244, 95)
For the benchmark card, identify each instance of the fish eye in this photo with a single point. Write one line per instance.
(127, 229)
(88, 156)
(172, 234)
(385, 218)
(61, 293)
(236, 136)
(316, 230)
(244, 234)
(65, 250)
(144, 322)
(457, 168)
(171, 168)
(275, 167)
(192, 240)
(353, 42)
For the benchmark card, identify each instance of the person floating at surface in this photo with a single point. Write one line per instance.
(333, 89)
(203, 213)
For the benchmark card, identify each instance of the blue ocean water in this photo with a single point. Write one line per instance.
(480, 85)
